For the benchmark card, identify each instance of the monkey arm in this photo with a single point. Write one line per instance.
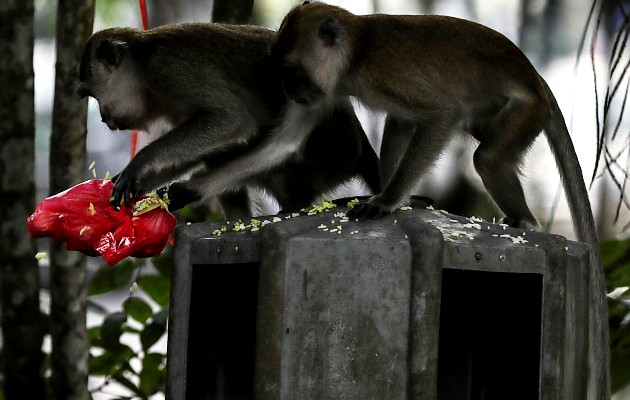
(182, 149)
(283, 142)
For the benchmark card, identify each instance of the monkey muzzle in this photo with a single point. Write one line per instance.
(112, 123)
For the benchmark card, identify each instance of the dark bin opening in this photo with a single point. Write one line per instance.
(222, 331)
(490, 329)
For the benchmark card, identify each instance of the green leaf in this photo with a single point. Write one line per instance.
(137, 309)
(153, 375)
(111, 330)
(94, 336)
(164, 262)
(154, 330)
(614, 250)
(120, 378)
(157, 287)
(107, 279)
(102, 365)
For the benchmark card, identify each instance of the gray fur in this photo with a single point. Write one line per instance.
(435, 77)
(209, 93)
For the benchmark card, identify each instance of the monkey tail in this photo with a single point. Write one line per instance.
(577, 196)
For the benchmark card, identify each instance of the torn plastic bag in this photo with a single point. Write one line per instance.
(83, 218)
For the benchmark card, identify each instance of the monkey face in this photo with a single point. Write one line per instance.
(298, 86)
(107, 73)
(311, 52)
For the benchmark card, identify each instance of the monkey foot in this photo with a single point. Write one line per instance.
(365, 210)
(520, 223)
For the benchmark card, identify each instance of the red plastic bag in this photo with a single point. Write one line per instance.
(83, 218)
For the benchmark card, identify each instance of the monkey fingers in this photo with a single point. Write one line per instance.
(125, 188)
(179, 195)
(366, 210)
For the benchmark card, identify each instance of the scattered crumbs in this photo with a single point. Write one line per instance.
(254, 229)
(430, 208)
(406, 208)
(354, 232)
(276, 219)
(566, 248)
(447, 239)
(85, 228)
(239, 226)
(92, 165)
(339, 214)
(94, 173)
(444, 212)
(188, 223)
(265, 222)
(324, 206)
(295, 215)
(40, 255)
(495, 235)
(134, 287)
(107, 176)
(333, 230)
(453, 220)
(475, 226)
(287, 217)
(455, 234)
(406, 236)
(518, 239)
(353, 202)
(322, 226)
(536, 244)
(92, 209)
(471, 238)
(395, 222)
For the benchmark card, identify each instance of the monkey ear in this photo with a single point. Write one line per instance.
(306, 2)
(329, 31)
(111, 52)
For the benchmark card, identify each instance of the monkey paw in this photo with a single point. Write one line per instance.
(179, 195)
(367, 210)
(126, 187)
(521, 223)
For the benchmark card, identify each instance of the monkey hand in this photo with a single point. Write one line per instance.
(179, 195)
(126, 187)
(366, 210)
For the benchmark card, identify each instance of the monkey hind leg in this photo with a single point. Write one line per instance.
(236, 204)
(426, 142)
(498, 157)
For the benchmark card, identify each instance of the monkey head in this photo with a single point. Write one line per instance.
(108, 73)
(311, 52)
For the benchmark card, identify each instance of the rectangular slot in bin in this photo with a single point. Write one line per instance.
(222, 331)
(490, 330)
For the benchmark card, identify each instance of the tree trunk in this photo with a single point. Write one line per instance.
(22, 323)
(67, 168)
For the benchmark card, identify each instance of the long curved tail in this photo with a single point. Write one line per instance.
(584, 225)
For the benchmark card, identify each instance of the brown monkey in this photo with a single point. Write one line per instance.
(436, 76)
(209, 92)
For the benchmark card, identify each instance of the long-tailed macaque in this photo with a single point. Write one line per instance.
(209, 92)
(436, 76)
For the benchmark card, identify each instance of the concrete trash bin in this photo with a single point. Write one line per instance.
(420, 304)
